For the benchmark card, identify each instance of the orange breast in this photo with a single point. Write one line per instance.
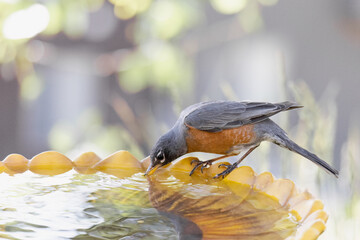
(219, 142)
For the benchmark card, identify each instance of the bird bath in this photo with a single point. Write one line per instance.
(90, 198)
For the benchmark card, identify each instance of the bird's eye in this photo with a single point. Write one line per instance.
(160, 156)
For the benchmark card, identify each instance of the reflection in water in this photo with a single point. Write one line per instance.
(241, 206)
(220, 212)
(167, 205)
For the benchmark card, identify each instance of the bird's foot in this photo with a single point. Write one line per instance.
(203, 164)
(229, 169)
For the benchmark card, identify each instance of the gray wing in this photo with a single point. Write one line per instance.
(221, 115)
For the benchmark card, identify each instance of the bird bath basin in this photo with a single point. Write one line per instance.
(90, 198)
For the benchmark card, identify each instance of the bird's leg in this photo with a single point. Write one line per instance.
(231, 167)
(205, 164)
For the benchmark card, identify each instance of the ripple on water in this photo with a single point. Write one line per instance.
(76, 206)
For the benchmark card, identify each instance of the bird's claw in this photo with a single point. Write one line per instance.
(198, 163)
(224, 165)
(229, 169)
(195, 161)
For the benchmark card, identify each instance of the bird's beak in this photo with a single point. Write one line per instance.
(151, 169)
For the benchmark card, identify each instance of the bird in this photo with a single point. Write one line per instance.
(227, 128)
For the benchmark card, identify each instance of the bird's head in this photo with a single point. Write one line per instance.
(166, 150)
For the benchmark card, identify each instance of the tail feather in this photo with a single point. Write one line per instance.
(285, 142)
(290, 105)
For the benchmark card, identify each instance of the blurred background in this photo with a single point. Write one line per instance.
(97, 75)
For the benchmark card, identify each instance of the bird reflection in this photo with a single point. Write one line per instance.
(217, 210)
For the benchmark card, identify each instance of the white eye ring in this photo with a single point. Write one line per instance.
(160, 156)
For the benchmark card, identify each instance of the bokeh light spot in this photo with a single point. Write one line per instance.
(229, 6)
(169, 18)
(26, 23)
(125, 9)
(31, 87)
(62, 137)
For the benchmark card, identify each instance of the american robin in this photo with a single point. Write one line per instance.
(227, 128)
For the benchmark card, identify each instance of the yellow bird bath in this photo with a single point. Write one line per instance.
(244, 205)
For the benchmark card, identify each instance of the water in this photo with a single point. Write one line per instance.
(75, 206)
(165, 206)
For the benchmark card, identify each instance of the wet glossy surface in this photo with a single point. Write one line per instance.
(166, 205)
(79, 206)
